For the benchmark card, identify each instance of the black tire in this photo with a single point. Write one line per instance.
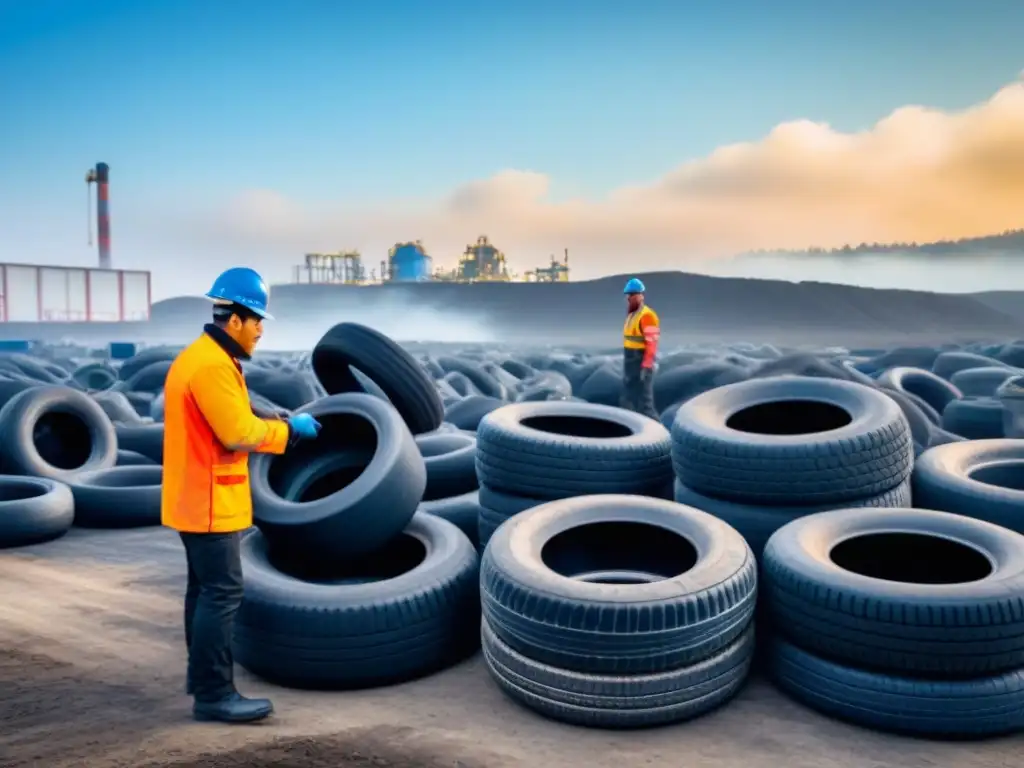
(95, 376)
(450, 459)
(757, 524)
(595, 613)
(468, 412)
(982, 382)
(117, 406)
(136, 363)
(149, 379)
(395, 371)
(119, 497)
(379, 621)
(147, 439)
(976, 478)
(33, 510)
(909, 591)
(497, 507)
(363, 478)
(934, 390)
(975, 418)
(619, 701)
(484, 382)
(553, 450)
(949, 363)
(462, 511)
(55, 432)
(791, 440)
(133, 459)
(287, 390)
(984, 706)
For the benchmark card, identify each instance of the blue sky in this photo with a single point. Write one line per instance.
(192, 102)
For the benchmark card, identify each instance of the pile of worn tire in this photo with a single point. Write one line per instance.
(900, 619)
(618, 611)
(363, 570)
(60, 461)
(763, 452)
(347, 584)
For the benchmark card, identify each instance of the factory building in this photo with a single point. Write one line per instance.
(408, 263)
(482, 261)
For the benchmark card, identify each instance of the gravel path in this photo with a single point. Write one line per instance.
(92, 675)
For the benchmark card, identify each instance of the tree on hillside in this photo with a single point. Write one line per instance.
(1012, 240)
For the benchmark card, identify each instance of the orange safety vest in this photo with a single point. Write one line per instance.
(209, 432)
(633, 330)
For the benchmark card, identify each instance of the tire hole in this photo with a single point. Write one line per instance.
(789, 417)
(619, 553)
(315, 469)
(911, 558)
(398, 556)
(577, 426)
(62, 439)
(12, 490)
(1009, 475)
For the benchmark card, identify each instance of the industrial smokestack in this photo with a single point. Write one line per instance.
(103, 213)
(100, 176)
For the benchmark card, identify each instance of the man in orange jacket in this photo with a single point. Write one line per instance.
(209, 432)
(640, 336)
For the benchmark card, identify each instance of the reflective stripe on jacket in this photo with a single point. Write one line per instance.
(209, 432)
(633, 330)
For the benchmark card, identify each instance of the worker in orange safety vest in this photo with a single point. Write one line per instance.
(640, 336)
(209, 432)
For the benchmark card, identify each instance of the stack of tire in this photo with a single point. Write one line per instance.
(58, 451)
(532, 452)
(618, 611)
(761, 453)
(346, 583)
(899, 619)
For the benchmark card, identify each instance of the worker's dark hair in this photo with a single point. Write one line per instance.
(222, 313)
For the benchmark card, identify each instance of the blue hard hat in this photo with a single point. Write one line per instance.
(242, 286)
(634, 285)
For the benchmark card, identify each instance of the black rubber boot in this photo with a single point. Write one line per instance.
(235, 708)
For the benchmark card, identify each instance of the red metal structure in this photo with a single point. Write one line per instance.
(35, 293)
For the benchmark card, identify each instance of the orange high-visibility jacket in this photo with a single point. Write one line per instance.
(209, 432)
(637, 331)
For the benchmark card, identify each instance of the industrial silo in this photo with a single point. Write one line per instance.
(408, 262)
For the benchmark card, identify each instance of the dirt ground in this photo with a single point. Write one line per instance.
(91, 675)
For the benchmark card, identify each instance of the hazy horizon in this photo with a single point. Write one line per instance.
(671, 138)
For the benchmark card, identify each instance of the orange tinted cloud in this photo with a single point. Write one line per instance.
(919, 174)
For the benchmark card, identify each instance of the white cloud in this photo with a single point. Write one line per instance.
(918, 174)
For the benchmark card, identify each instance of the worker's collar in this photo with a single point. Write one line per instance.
(225, 342)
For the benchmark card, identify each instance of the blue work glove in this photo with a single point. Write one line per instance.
(304, 426)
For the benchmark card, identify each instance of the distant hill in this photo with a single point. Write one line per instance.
(692, 308)
(1011, 241)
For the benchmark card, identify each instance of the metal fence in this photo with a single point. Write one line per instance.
(31, 293)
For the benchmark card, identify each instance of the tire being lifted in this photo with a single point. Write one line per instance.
(907, 591)
(791, 440)
(409, 609)
(33, 510)
(55, 432)
(347, 492)
(395, 371)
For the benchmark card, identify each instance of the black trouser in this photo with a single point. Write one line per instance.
(637, 384)
(212, 598)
